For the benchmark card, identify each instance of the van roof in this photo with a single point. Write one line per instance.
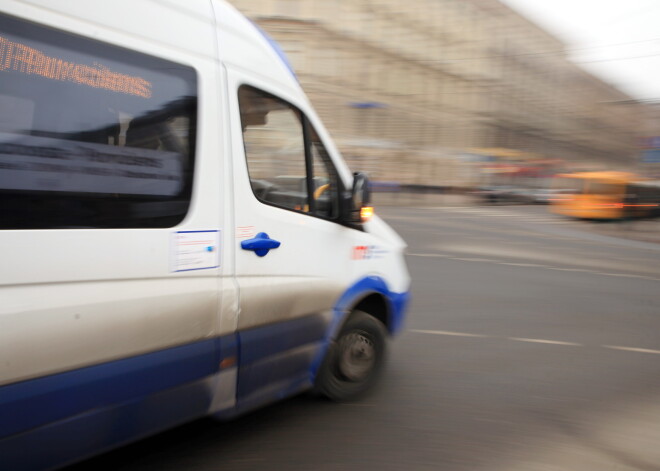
(244, 45)
(240, 43)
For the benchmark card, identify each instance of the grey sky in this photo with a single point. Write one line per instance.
(618, 40)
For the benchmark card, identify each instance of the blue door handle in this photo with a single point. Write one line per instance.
(261, 244)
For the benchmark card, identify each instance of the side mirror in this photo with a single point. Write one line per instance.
(361, 193)
(360, 210)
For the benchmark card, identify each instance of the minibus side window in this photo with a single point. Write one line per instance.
(275, 149)
(91, 135)
(326, 181)
(287, 162)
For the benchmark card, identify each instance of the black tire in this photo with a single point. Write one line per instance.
(354, 360)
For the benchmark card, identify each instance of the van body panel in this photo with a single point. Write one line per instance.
(286, 298)
(100, 295)
(50, 328)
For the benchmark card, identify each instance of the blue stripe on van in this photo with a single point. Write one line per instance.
(275, 359)
(76, 438)
(400, 303)
(265, 341)
(34, 403)
(278, 50)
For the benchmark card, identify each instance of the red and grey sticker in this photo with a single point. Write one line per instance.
(367, 252)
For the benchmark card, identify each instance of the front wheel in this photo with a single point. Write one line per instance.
(354, 361)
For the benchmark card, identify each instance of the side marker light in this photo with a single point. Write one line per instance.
(366, 213)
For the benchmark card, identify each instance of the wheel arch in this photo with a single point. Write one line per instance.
(372, 296)
(376, 305)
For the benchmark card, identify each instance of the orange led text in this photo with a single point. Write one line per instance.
(27, 60)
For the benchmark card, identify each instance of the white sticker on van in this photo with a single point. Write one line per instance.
(195, 250)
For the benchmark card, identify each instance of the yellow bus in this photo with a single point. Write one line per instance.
(605, 195)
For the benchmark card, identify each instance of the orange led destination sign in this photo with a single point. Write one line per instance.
(27, 60)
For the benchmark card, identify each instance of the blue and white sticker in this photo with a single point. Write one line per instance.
(195, 250)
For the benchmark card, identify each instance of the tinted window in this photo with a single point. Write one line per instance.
(91, 135)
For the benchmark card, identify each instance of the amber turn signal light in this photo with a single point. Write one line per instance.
(366, 213)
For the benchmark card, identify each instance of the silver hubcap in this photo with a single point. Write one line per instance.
(357, 356)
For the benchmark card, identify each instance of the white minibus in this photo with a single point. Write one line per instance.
(179, 237)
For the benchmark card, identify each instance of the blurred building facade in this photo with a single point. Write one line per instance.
(420, 91)
(650, 143)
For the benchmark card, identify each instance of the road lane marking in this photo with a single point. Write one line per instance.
(445, 332)
(550, 342)
(632, 349)
(530, 340)
(625, 275)
(438, 255)
(473, 259)
(532, 265)
(512, 264)
(466, 334)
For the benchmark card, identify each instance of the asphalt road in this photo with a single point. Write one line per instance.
(531, 344)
